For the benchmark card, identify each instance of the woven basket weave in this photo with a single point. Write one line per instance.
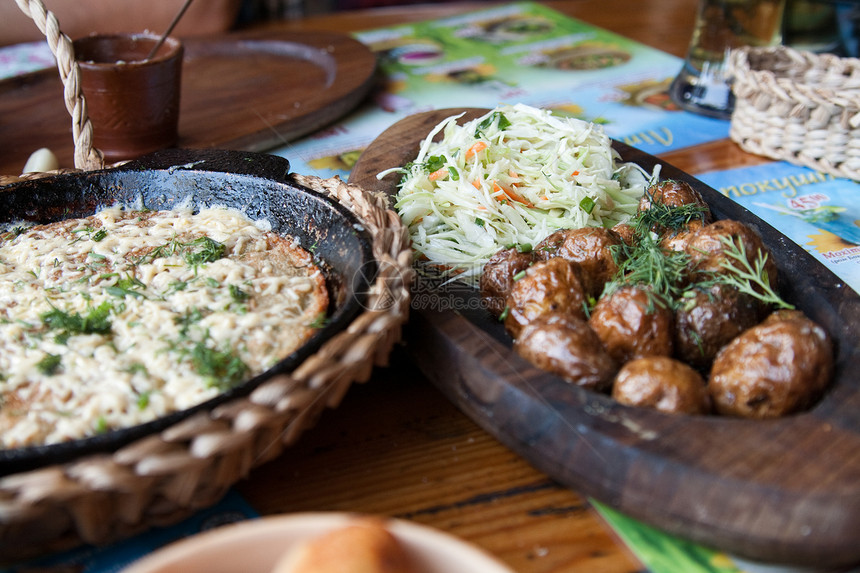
(799, 107)
(163, 478)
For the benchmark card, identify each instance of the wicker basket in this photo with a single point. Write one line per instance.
(799, 107)
(163, 478)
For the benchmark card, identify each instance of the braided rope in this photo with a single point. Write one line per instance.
(163, 478)
(86, 157)
(799, 107)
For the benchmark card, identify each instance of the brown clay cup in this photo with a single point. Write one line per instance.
(132, 101)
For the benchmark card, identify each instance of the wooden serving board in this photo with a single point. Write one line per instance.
(785, 490)
(247, 91)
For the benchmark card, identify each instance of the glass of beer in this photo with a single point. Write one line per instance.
(721, 25)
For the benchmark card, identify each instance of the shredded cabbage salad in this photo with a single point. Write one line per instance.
(511, 177)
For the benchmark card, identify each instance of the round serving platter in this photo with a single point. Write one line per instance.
(785, 490)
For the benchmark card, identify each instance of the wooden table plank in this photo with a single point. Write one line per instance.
(395, 446)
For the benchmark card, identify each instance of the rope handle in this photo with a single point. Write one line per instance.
(86, 156)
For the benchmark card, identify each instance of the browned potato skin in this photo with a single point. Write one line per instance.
(498, 274)
(661, 383)
(625, 232)
(588, 247)
(673, 194)
(568, 347)
(631, 325)
(707, 251)
(708, 320)
(778, 367)
(548, 287)
(679, 239)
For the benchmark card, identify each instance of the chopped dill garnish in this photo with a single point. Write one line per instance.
(185, 321)
(645, 263)
(137, 368)
(222, 368)
(143, 400)
(203, 250)
(661, 217)
(96, 321)
(101, 425)
(238, 295)
(126, 287)
(49, 364)
(319, 321)
(200, 251)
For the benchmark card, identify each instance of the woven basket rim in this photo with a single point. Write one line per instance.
(797, 106)
(748, 65)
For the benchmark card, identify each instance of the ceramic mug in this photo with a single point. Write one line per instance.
(132, 100)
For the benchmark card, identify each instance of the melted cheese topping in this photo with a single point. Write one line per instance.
(125, 316)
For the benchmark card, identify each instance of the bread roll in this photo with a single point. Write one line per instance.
(363, 546)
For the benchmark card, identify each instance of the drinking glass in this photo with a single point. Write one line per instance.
(721, 25)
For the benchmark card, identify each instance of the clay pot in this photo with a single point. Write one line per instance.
(133, 102)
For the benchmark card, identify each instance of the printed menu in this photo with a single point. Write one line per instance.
(817, 211)
(518, 52)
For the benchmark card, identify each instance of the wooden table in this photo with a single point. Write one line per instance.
(396, 446)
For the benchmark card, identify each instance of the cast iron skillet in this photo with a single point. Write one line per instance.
(253, 183)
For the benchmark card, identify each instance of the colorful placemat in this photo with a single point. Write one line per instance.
(520, 52)
(819, 212)
(661, 552)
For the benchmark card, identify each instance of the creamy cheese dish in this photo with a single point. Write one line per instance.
(123, 317)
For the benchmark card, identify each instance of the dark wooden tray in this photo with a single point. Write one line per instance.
(247, 91)
(785, 491)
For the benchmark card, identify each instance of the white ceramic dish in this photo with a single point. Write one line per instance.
(255, 546)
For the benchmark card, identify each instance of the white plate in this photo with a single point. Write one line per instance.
(255, 546)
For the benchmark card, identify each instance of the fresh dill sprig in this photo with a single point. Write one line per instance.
(748, 277)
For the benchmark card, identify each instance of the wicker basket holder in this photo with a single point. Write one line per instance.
(799, 107)
(163, 478)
